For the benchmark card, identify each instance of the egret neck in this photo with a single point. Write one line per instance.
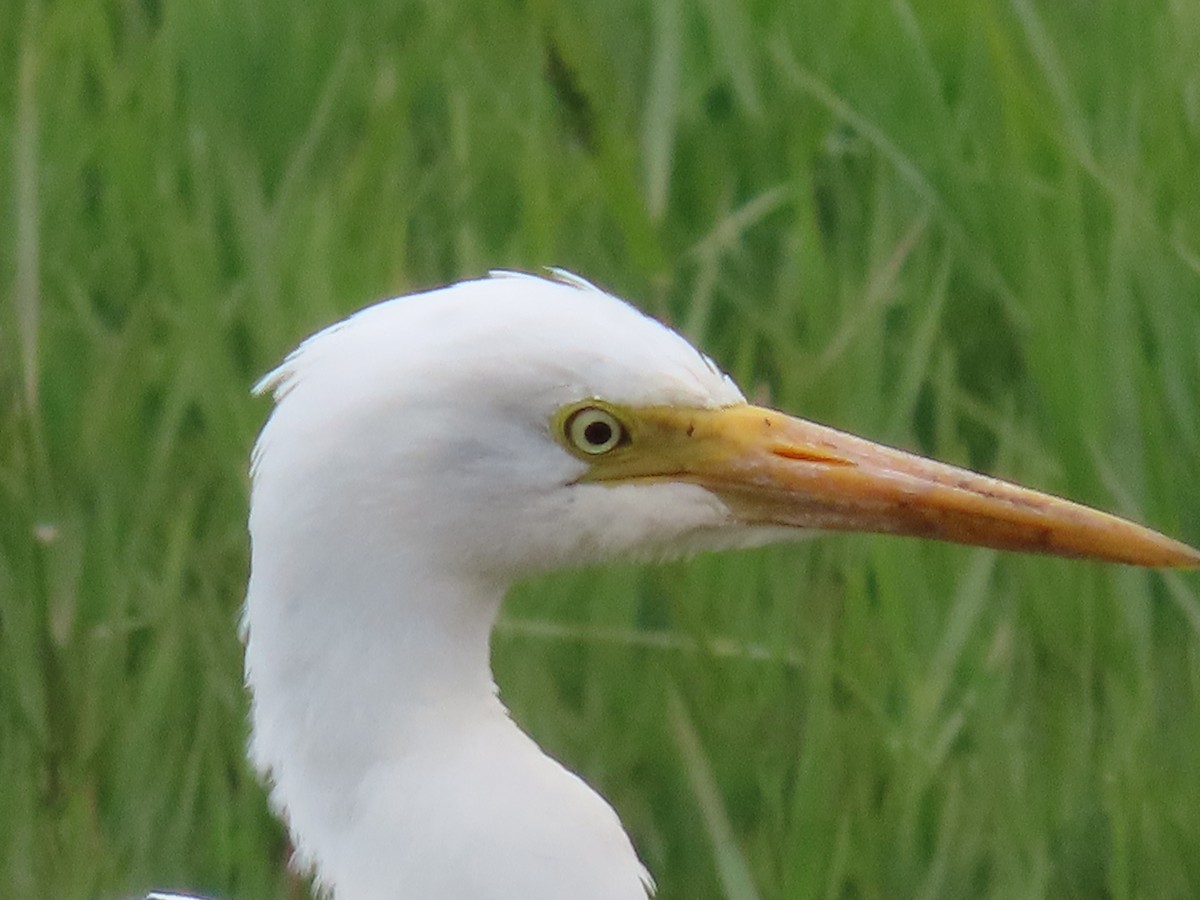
(377, 716)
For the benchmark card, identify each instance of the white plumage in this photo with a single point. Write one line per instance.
(404, 480)
(427, 452)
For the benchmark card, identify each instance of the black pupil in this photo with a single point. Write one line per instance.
(598, 433)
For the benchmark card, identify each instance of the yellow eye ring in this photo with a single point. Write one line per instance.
(594, 431)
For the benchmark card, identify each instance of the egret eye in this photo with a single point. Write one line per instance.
(594, 431)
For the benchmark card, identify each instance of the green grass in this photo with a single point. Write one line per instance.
(972, 229)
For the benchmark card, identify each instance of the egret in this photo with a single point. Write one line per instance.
(430, 450)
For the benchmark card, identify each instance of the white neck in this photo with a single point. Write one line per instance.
(396, 765)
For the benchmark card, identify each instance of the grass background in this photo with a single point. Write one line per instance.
(972, 229)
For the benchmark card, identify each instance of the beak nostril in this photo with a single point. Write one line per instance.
(808, 454)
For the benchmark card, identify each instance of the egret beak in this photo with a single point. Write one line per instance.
(772, 469)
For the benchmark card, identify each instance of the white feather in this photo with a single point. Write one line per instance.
(405, 478)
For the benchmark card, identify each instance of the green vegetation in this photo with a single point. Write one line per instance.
(972, 229)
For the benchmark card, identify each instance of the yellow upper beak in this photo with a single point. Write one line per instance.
(773, 469)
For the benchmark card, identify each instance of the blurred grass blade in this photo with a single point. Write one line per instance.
(662, 107)
(25, 176)
(731, 865)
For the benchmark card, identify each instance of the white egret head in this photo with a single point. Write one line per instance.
(438, 420)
